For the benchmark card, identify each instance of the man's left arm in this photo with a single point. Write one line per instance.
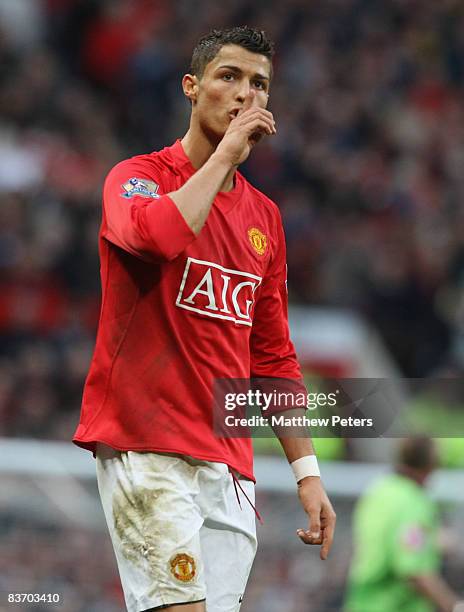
(273, 356)
(313, 498)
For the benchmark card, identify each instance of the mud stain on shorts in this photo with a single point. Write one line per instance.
(141, 522)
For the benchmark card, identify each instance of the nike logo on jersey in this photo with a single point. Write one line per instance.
(214, 291)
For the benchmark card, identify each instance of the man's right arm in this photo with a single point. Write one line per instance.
(161, 227)
(195, 198)
(435, 589)
(416, 558)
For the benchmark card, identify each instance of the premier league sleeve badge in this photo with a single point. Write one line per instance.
(140, 187)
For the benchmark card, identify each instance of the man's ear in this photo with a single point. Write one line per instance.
(190, 86)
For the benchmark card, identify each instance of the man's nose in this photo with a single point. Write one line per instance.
(243, 91)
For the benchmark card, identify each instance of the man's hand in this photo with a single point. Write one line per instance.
(245, 130)
(320, 512)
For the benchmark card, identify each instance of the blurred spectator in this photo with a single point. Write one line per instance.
(396, 561)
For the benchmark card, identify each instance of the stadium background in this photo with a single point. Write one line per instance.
(367, 168)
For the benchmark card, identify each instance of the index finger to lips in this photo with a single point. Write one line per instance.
(250, 100)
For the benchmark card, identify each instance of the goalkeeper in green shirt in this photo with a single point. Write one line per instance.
(396, 559)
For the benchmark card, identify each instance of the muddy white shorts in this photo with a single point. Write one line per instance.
(178, 530)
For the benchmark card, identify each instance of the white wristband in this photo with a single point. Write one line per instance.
(305, 466)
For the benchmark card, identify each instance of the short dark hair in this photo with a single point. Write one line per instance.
(209, 45)
(419, 453)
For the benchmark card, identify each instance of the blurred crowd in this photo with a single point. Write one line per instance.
(367, 168)
(76, 564)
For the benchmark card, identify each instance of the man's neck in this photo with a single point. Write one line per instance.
(418, 476)
(199, 149)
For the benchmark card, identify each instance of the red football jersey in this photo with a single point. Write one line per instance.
(179, 311)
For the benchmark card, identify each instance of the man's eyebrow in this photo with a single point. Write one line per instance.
(257, 75)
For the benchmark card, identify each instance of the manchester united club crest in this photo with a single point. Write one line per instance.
(258, 240)
(140, 187)
(183, 567)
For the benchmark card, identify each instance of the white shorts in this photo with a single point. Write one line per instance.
(177, 529)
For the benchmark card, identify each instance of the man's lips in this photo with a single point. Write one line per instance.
(234, 112)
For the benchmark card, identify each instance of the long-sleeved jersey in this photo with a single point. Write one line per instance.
(179, 311)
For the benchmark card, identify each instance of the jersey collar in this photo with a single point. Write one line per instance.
(224, 200)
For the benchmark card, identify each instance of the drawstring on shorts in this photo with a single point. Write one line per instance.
(237, 484)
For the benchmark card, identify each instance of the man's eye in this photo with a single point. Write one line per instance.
(228, 77)
(259, 84)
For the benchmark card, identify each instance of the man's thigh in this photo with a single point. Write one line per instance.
(228, 546)
(154, 522)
